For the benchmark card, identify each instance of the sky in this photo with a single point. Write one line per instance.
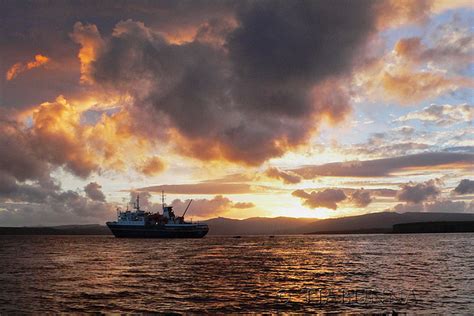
(314, 109)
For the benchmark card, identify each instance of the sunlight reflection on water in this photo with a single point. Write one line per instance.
(223, 274)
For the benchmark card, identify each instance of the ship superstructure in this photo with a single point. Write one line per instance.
(142, 224)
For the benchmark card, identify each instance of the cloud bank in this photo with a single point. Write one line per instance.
(259, 93)
(47, 204)
(386, 166)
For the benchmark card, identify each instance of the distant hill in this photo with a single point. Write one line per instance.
(57, 230)
(258, 225)
(382, 220)
(369, 223)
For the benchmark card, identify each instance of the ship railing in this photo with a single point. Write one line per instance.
(194, 222)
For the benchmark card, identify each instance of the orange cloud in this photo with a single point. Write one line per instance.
(59, 136)
(243, 205)
(152, 166)
(451, 49)
(414, 71)
(443, 5)
(462, 166)
(407, 47)
(18, 68)
(415, 87)
(60, 139)
(228, 117)
(408, 83)
(91, 43)
(287, 177)
(181, 35)
(331, 100)
(394, 13)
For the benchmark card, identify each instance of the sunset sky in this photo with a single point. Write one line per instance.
(251, 108)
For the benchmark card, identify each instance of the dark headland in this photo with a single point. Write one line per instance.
(435, 227)
(374, 223)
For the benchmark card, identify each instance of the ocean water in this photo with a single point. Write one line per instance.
(425, 273)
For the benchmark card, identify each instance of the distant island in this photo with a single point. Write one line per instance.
(435, 227)
(374, 223)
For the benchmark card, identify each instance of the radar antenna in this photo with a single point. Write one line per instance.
(138, 202)
(163, 199)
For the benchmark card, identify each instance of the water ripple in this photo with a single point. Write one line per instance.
(424, 273)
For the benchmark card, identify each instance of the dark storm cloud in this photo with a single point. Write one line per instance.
(386, 166)
(18, 157)
(22, 36)
(282, 42)
(251, 81)
(42, 27)
(261, 93)
(41, 84)
(415, 193)
(466, 186)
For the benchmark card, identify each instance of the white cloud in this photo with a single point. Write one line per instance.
(442, 115)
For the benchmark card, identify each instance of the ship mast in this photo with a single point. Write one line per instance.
(163, 200)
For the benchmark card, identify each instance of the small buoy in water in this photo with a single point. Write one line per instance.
(237, 237)
(272, 236)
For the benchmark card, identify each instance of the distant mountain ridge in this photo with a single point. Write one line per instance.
(373, 222)
(383, 220)
(368, 223)
(92, 229)
(258, 225)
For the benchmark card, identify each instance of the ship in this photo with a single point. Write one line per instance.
(138, 223)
